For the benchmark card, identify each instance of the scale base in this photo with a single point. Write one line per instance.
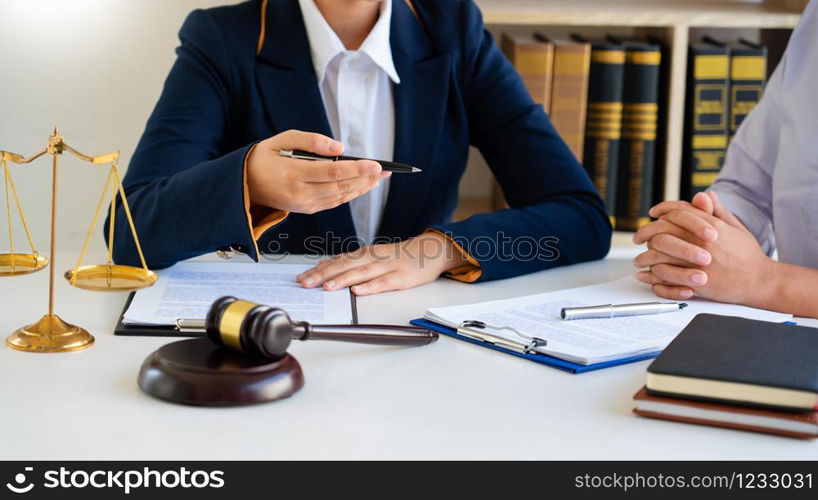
(50, 334)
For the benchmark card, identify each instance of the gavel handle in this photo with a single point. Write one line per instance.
(369, 334)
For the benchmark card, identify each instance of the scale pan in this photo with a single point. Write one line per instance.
(110, 278)
(15, 264)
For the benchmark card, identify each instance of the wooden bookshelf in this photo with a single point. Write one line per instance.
(672, 21)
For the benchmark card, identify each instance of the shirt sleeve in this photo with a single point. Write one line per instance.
(778, 131)
(745, 182)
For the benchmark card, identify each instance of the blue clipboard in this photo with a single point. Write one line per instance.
(542, 359)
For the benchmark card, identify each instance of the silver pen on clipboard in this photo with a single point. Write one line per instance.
(617, 310)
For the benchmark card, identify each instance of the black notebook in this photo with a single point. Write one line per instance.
(740, 361)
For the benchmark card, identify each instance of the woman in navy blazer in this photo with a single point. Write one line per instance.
(244, 75)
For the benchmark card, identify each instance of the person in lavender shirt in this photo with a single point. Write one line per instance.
(720, 245)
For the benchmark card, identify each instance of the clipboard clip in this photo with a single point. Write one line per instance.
(190, 325)
(479, 330)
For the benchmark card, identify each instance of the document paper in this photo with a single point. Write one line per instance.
(590, 341)
(187, 290)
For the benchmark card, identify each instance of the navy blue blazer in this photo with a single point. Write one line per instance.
(229, 89)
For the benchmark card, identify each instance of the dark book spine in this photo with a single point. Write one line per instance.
(706, 117)
(638, 147)
(748, 71)
(603, 128)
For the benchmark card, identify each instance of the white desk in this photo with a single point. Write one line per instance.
(450, 400)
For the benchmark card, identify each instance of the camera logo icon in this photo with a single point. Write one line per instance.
(19, 480)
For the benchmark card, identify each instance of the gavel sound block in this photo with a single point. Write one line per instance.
(244, 358)
(198, 372)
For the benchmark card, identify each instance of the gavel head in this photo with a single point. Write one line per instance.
(254, 329)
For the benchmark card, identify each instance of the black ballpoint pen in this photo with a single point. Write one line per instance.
(387, 166)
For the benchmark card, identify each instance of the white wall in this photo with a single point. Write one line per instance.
(96, 68)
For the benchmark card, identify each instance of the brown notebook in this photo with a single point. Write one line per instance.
(569, 91)
(802, 425)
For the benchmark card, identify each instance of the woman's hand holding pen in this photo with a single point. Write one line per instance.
(306, 187)
(702, 247)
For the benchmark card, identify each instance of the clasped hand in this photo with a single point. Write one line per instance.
(702, 248)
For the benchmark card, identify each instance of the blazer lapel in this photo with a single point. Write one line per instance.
(289, 89)
(420, 102)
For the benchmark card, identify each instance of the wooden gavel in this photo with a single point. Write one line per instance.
(266, 331)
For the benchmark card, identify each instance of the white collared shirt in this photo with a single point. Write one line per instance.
(356, 87)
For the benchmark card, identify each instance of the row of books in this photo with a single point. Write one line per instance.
(725, 81)
(604, 98)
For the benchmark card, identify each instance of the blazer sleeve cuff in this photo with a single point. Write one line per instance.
(259, 219)
(467, 273)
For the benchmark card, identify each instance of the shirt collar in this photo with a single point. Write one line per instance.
(325, 44)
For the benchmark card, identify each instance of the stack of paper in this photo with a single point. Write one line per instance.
(590, 341)
(187, 290)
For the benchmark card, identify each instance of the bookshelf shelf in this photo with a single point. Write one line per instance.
(638, 13)
(676, 23)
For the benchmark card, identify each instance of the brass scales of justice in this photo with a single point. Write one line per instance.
(50, 333)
